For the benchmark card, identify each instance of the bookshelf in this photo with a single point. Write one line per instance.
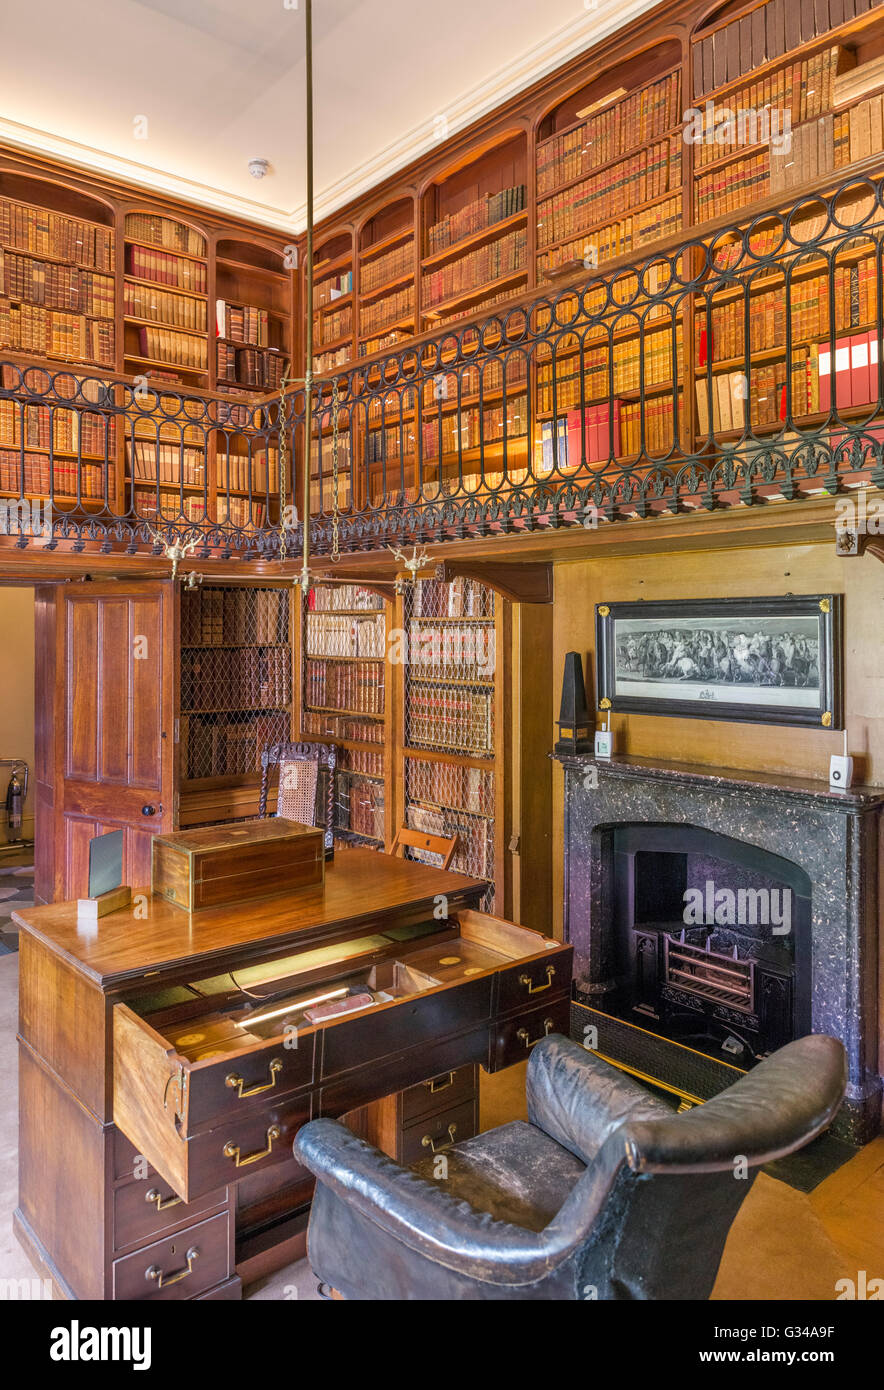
(165, 288)
(334, 317)
(387, 278)
(609, 160)
(235, 688)
(57, 259)
(345, 699)
(452, 713)
(474, 220)
(253, 321)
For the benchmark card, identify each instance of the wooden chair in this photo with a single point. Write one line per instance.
(444, 845)
(306, 786)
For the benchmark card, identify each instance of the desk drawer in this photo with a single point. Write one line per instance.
(436, 1133)
(451, 1088)
(533, 983)
(249, 1145)
(516, 1036)
(147, 1208)
(179, 1267)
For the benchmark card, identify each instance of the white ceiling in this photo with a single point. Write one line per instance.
(220, 81)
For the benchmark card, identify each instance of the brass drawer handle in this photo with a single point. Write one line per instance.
(163, 1281)
(233, 1151)
(524, 1036)
(162, 1203)
(538, 989)
(438, 1084)
(236, 1082)
(429, 1142)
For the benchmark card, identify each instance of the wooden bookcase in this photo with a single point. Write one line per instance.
(345, 697)
(334, 319)
(387, 278)
(475, 233)
(235, 695)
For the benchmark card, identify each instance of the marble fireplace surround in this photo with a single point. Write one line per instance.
(833, 836)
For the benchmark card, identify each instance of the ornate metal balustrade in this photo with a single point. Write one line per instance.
(696, 378)
(743, 367)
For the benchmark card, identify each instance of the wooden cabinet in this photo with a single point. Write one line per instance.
(160, 1104)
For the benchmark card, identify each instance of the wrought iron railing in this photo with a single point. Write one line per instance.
(742, 367)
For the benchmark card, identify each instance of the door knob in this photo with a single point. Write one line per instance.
(148, 810)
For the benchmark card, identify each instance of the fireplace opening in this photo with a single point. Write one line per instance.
(711, 941)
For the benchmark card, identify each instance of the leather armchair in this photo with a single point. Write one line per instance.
(605, 1193)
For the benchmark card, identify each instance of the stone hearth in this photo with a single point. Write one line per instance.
(828, 840)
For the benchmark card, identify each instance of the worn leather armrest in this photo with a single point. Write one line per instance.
(579, 1100)
(770, 1112)
(423, 1216)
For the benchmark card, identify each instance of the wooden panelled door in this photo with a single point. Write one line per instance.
(114, 718)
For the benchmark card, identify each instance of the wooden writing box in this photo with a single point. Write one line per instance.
(220, 866)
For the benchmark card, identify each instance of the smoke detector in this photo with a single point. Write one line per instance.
(258, 167)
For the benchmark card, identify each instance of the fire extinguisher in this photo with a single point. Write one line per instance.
(15, 798)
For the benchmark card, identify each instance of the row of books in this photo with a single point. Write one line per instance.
(483, 212)
(30, 475)
(855, 303)
(815, 149)
(218, 617)
(165, 269)
(165, 345)
(647, 175)
(150, 462)
(450, 787)
(732, 186)
(328, 328)
(767, 33)
(361, 760)
(351, 687)
(213, 680)
(380, 314)
(484, 305)
(168, 506)
(616, 238)
(246, 515)
(56, 286)
(776, 103)
(177, 310)
(460, 651)
(55, 333)
(243, 322)
(636, 120)
(360, 808)
(866, 133)
(330, 635)
(242, 472)
(461, 598)
(321, 725)
(369, 346)
(501, 257)
(468, 429)
(336, 287)
(25, 228)
(259, 367)
(344, 598)
(225, 746)
(327, 361)
(450, 719)
(155, 230)
(64, 431)
(657, 417)
(474, 851)
(392, 265)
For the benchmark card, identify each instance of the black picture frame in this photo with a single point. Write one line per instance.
(650, 655)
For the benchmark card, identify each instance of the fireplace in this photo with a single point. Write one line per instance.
(712, 940)
(715, 916)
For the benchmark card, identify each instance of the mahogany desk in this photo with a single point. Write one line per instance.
(166, 1063)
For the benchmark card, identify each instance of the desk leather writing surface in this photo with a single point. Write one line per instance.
(361, 888)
